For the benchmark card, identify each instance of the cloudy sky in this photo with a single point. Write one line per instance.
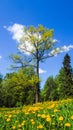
(57, 15)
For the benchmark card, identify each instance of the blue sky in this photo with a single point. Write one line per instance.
(56, 14)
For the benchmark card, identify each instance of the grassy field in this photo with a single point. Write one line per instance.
(57, 115)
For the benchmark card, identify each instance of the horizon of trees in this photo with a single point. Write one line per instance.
(19, 88)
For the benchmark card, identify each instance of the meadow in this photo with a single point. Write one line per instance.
(51, 115)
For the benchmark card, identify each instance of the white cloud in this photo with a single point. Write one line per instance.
(0, 57)
(41, 71)
(16, 31)
(60, 50)
(66, 48)
(55, 40)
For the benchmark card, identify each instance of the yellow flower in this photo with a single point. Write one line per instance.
(67, 124)
(72, 117)
(19, 126)
(56, 110)
(48, 119)
(27, 113)
(40, 126)
(22, 124)
(10, 116)
(32, 122)
(43, 115)
(8, 119)
(52, 106)
(39, 115)
(61, 118)
(13, 127)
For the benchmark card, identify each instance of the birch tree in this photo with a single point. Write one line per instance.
(36, 45)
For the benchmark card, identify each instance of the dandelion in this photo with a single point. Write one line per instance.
(40, 126)
(48, 119)
(13, 127)
(8, 119)
(56, 110)
(72, 117)
(67, 124)
(52, 106)
(38, 115)
(19, 126)
(43, 115)
(22, 124)
(32, 122)
(61, 118)
(10, 116)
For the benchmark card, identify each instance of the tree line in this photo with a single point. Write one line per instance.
(23, 85)
(19, 87)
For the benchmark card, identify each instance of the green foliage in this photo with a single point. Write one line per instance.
(64, 79)
(17, 87)
(49, 91)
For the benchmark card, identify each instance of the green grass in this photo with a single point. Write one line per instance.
(53, 115)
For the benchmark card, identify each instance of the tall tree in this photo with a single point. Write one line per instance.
(65, 81)
(36, 45)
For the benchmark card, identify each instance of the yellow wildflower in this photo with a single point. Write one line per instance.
(19, 126)
(39, 115)
(32, 122)
(72, 117)
(13, 127)
(43, 115)
(56, 110)
(22, 124)
(8, 119)
(61, 118)
(40, 126)
(48, 119)
(67, 124)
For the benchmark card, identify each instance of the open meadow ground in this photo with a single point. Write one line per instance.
(52, 115)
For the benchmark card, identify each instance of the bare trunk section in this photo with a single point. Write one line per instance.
(37, 85)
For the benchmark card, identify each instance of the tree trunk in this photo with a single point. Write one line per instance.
(37, 85)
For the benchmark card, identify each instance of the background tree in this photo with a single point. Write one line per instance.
(18, 87)
(64, 79)
(36, 45)
(49, 91)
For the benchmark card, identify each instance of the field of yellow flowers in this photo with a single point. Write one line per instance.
(53, 115)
